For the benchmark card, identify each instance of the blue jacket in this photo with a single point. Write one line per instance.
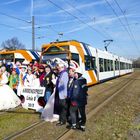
(79, 94)
(61, 84)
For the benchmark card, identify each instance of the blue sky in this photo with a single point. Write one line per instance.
(89, 21)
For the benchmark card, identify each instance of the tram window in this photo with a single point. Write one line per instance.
(53, 49)
(105, 65)
(116, 65)
(93, 62)
(7, 56)
(88, 63)
(108, 65)
(111, 63)
(65, 47)
(75, 57)
(121, 65)
(126, 65)
(19, 59)
(101, 64)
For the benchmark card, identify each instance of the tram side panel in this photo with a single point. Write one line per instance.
(125, 66)
(106, 65)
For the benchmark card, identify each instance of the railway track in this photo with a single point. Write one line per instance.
(65, 134)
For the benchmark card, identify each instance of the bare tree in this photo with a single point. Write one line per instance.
(12, 44)
(136, 63)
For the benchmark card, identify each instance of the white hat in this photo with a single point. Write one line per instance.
(60, 62)
(78, 70)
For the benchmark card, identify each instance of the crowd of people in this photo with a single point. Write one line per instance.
(70, 88)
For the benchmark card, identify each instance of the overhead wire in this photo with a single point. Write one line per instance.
(56, 5)
(77, 17)
(127, 23)
(9, 26)
(12, 27)
(83, 13)
(14, 17)
(49, 27)
(136, 24)
(123, 25)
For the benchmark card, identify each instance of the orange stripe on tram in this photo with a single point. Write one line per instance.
(92, 76)
(25, 54)
(79, 48)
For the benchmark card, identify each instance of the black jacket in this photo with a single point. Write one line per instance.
(47, 82)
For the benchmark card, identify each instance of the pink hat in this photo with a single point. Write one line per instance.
(73, 65)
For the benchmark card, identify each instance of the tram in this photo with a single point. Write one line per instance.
(97, 65)
(19, 55)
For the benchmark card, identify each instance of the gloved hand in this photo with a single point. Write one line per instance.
(73, 103)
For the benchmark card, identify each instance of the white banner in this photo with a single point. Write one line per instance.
(31, 96)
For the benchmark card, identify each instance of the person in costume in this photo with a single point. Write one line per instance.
(47, 82)
(61, 91)
(8, 99)
(35, 82)
(29, 78)
(14, 80)
(78, 101)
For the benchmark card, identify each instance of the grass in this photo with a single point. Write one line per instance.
(114, 122)
(14, 121)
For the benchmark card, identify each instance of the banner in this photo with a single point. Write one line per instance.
(31, 97)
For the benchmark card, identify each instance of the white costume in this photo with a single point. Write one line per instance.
(8, 99)
(48, 111)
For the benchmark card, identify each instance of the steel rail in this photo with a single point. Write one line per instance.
(91, 112)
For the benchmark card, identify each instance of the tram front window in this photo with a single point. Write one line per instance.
(7, 57)
(48, 57)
